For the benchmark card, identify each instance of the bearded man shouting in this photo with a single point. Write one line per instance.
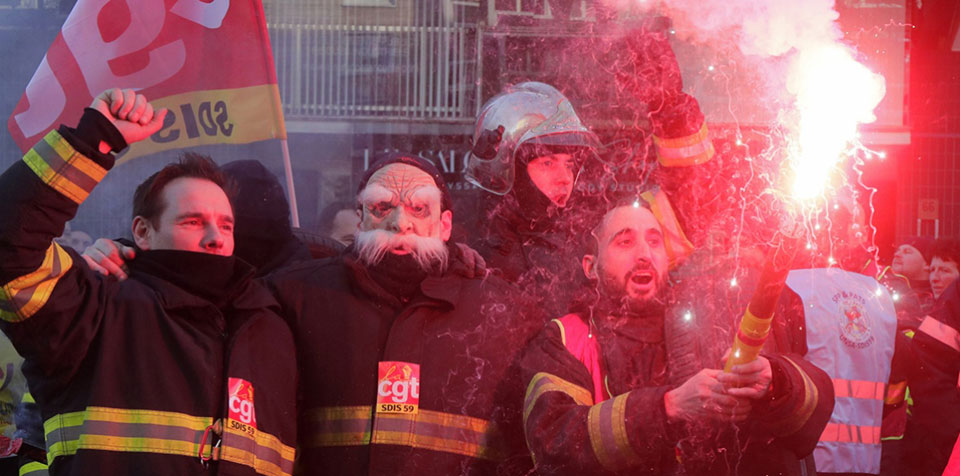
(612, 388)
(401, 354)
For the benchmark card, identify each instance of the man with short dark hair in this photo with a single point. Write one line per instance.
(622, 386)
(185, 368)
(170, 209)
(910, 260)
(943, 266)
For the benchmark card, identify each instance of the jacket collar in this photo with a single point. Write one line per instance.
(443, 289)
(248, 295)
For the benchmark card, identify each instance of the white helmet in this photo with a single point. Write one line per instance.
(526, 113)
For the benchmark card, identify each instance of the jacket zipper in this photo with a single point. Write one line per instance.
(216, 428)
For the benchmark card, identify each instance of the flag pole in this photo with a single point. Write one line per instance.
(291, 193)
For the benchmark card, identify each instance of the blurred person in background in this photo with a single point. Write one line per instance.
(934, 424)
(339, 221)
(262, 231)
(908, 279)
(943, 266)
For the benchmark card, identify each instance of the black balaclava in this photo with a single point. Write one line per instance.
(532, 203)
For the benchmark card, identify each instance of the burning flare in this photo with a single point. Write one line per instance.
(834, 94)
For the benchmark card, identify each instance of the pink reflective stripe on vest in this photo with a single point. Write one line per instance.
(841, 433)
(578, 341)
(858, 389)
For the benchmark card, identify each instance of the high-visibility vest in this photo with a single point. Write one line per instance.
(580, 342)
(851, 325)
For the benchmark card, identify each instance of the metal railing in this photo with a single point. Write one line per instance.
(423, 73)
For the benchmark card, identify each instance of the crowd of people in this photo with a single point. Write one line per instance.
(578, 333)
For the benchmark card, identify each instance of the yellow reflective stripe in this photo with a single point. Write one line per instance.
(28, 398)
(171, 433)
(896, 392)
(121, 415)
(677, 244)
(843, 388)
(794, 422)
(685, 151)
(843, 433)
(439, 431)
(596, 439)
(23, 297)
(941, 332)
(427, 429)
(33, 468)
(563, 332)
(64, 169)
(339, 426)
(543, 382)
(263, 452)
(118, 443)
(113, 429)
(606, 424)
(619, 422)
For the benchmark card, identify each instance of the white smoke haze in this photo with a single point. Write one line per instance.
(802, 65)
(429, 253)
(757, 27)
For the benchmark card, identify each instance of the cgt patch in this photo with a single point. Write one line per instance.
(398, 388)
(241, 407)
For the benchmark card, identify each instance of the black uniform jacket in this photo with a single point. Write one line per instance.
(140, 377)
(398, 387)
(644, 358)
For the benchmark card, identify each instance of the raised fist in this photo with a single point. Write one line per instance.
(130, 113)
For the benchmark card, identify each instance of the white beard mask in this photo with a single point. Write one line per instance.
(371, 246)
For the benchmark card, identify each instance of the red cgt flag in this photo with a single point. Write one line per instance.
(208, 61)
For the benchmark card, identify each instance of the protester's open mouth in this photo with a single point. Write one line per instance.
(560, 200)
(642, 278)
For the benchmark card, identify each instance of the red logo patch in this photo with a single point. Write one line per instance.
(398, 387)
(241, 402)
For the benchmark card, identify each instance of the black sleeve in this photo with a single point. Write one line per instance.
(51, 303)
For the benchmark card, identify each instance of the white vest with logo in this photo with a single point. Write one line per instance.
(851, 326)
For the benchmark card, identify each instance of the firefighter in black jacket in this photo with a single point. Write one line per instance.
(183, 369)
(627, 383)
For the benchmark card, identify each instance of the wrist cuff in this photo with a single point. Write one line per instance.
(94, 127)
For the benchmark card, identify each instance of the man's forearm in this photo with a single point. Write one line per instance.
(43, 191)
